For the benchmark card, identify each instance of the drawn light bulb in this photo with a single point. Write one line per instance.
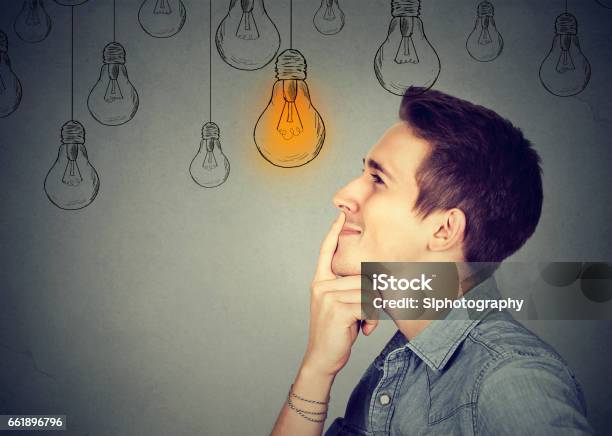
(605, 3)
(113, 100)
(595, 278)
(162, 18)
(485, 42)
(10, 86)
(329, 18)
(210, 167)
(290, 131)
(72, 182)
(565, 71)
(33, 24)
(406, 58)
(247, 39)
(70, 2)
(596, 281)
(560, 273)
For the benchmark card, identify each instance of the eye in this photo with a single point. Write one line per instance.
(377, 179)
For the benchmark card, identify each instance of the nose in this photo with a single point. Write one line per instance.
(346, 199)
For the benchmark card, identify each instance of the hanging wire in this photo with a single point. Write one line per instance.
(566, 6)
(72, 63)
(290, 23)
(114, 21)
(210, 61)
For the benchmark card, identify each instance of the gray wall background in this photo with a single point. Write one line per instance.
(166, 308)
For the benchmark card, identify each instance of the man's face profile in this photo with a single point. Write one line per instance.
(381, 224)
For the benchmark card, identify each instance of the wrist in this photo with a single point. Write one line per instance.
(311, 370)
(312, 383)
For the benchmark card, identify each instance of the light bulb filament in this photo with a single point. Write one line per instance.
(565, 63)
(162, 7)
(247, 28)
(210, 162)
(485, 35)
(289, 123)
(406, 52)
(329, 14)
(72, 174)
(113, 90)
(33, 19)
(2, 86)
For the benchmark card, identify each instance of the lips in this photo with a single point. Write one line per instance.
(348, 230)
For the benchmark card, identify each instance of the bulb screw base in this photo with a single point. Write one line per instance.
(406, 8)
(291, 65)
(485, 9)
(114, 53)
(73, 132)
(566, 24)
(210, 131)
(3, 42)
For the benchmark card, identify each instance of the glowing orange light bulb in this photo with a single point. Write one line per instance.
(290, 131)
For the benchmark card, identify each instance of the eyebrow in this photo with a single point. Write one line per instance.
(371, 163)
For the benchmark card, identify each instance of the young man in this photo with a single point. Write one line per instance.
(451, 182)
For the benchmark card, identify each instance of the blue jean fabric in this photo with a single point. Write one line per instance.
(464, 376)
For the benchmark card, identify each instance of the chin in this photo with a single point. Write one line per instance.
(341, 266)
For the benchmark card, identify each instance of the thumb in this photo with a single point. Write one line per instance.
(368, 326)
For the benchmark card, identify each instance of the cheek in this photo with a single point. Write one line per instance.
(391, 227)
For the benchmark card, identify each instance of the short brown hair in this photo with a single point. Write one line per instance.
(479, 163)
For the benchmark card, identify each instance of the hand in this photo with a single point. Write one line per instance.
(335, 311)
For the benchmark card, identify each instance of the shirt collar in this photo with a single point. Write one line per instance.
(436, 344)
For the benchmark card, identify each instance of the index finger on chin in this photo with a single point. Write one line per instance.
(328, 248)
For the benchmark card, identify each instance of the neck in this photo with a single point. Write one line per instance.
(469, 277)
(411, 328)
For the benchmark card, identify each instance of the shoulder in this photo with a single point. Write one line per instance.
(523, 383)
(500, 336)
(507, 348)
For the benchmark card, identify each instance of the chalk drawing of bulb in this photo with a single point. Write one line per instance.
(210, 167)
(33, 24)
(565, 71)
(113, 100)
(406, 58)
(162, 18)
(605, 3)
(485, 43)
(290, 132)
(10, 86)
(247, 39)
(72, 182)
(329, 18)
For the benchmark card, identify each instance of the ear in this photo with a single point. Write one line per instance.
(449, 230)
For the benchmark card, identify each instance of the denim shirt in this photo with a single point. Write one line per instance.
(467, 377)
